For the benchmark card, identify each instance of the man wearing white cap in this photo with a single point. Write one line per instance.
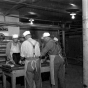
(58, 45)
(55, 39)
(13, 49)
(21, 39)
(31, 51)
(57, 69)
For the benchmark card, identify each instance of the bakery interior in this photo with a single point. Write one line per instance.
(61, 18)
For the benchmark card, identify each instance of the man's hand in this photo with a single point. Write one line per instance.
(21, 62)
(12, 61)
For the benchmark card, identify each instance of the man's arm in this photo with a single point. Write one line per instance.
(37, 49)
(8, 47)
(23, 53)
(47, 48)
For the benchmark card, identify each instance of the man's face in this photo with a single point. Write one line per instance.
(45, 39)
(22, 39)
(15, 40)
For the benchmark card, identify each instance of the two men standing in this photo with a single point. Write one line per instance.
(57, 67)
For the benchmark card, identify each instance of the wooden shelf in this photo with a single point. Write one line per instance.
(2, 53)
(2, 60)
(3, 46)
(3, 49)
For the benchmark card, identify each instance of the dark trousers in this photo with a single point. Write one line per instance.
(33, 76)
(59, 73)
(16, 57)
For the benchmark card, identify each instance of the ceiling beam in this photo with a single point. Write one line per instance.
(15, 6)
(28, 25)
(32, 6)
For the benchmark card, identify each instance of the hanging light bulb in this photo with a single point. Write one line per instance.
(31, 21)
(73, 15)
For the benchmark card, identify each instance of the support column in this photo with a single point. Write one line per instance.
(85, 42)
(58, 34)
(63, 39)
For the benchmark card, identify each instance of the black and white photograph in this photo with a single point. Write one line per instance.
(43, 43)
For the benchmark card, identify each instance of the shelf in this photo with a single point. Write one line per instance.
(2, 55)
(2, 46)
(2, 49)
(2, 60)
(2, 52)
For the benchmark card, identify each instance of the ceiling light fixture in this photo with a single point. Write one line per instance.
(73, 15)
(32, 13)
(31, 21)
(72, 4)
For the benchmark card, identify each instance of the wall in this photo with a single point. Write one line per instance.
(74, 47)
(11, 29)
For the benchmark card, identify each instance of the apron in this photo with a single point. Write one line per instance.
(52, 57)
(14, 49)
(16, 58)
(32, 67)
(32, 64)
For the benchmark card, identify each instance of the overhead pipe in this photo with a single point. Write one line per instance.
(35, 18)
(28, 18)
(28, 25)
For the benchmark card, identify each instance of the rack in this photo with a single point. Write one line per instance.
(2, 53)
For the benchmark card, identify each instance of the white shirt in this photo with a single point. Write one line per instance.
(15, 48)
(27, 48)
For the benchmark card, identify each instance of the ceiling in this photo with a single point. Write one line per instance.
(46, 11)
(54, 10)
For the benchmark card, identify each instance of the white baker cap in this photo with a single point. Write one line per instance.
(56, 39)
(15, 36)
(26, 33)
(46, 34)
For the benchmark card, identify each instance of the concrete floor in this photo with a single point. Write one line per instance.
(74, 74)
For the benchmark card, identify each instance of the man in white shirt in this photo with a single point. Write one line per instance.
(31, 51)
